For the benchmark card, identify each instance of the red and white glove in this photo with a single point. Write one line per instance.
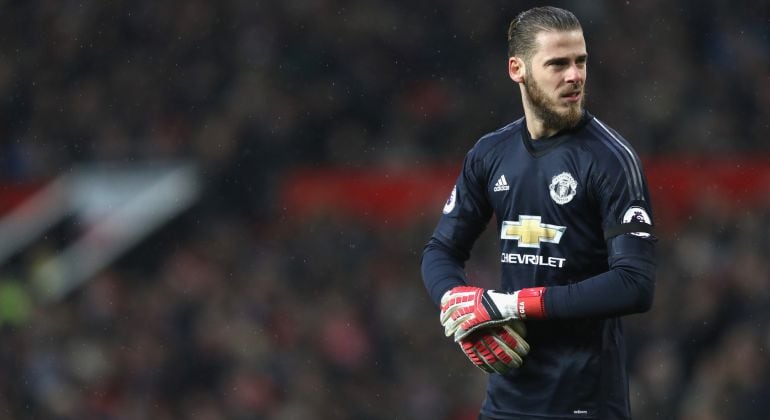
(497, 349)
(465, 308)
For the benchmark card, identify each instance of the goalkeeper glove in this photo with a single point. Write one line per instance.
(465, 308)
(497, 349)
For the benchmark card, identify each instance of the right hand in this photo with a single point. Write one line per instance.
(466, 308)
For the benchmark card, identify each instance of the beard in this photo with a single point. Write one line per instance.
(546, 108)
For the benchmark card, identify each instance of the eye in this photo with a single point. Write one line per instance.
(557, 64)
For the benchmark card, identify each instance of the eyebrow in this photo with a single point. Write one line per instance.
(562, 60)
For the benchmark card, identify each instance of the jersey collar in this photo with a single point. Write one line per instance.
(542, 146)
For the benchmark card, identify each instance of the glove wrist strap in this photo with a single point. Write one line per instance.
(530, 303)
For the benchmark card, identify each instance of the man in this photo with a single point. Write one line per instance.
(577, 251)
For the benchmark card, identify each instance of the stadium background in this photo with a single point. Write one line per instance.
(321, 139)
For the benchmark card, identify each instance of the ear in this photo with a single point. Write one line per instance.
(516, 69)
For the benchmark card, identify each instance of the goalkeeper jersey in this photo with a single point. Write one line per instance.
(573, 214)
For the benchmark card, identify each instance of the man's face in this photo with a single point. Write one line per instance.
(555, 78)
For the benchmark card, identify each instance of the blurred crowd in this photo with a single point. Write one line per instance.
(239, 310)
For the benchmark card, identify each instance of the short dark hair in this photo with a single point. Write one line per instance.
(526, 25)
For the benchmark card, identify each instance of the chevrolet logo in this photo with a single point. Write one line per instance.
(530, 232)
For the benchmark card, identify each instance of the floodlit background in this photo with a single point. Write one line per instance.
(216, 210)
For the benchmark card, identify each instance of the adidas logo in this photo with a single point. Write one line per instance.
(502, 184)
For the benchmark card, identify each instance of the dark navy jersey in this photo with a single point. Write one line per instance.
(573, 214)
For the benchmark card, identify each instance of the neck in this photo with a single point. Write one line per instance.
(536, 126)
(535, 123)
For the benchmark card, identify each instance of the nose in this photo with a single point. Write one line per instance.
(574, 75)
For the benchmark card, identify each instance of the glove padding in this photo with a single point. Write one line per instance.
(497, 349)
(466, 308)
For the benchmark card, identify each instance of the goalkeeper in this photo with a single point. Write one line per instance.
(573, 213)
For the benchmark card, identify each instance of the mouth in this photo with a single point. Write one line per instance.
(572, 96)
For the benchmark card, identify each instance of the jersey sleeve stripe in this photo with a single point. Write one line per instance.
(634, 159)
(626, 155)
(630, 181)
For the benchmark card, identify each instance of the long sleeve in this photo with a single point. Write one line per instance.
(627, 287)
(441, 270)
(465, 215)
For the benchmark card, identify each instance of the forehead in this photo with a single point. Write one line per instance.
(552, 44)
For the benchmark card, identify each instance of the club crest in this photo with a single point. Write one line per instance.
(563, 188)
